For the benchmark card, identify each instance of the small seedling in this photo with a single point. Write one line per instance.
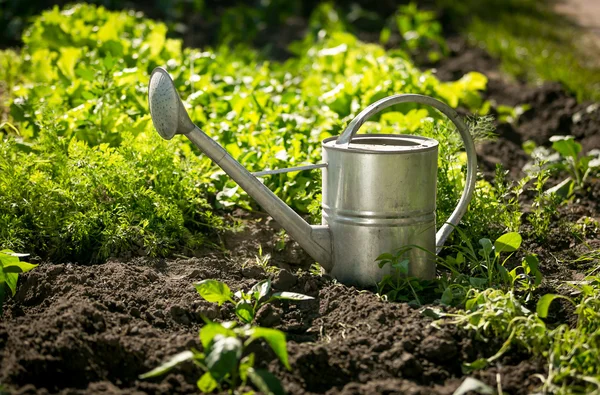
(11, 266)
(246, 304)
(579, 167)
(226, 361)
(399, 286)
(567, 158)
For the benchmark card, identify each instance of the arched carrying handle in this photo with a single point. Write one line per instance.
(461, 208)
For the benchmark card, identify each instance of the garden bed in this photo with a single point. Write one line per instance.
(93, 326)
(75, 328)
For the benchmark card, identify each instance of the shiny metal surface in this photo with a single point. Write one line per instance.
(379, 195)
(288, 170)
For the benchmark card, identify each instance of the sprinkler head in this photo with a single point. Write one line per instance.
(166, 108)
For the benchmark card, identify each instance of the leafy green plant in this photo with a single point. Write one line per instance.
(571, 351)
(579, 167)
(565, 157)
(497, 314)
(508, 194)
(11, 266)
(88, 178)
(486, 267)
(419, 29)
(226, 358)
(246, 304)
(510, 114)
(545, 204)
(469, 267)
(399, 286)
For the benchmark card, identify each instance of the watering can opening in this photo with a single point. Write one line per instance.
(383, 143)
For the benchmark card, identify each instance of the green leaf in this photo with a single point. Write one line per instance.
(290, 296)
(245, 311)
(212, 329)
(19, 267)
(214, 291)
(8, 259)
(170, 364)
(386, 256)
(432, 313)
(566, 146)
(68, 60)
(543, 305)
(276, 340)
(402, 266)
(11, 280)
(532, 262)
(17, 254)
(261, 289)
(223, 356)
(474, 81)
(265, 382)
(487, 247)
(472, 303)
(473, 385)
(206, 383)
(478, 282)
(447, 296)
(563, 188)
(508, 242)
(246, 364)
(503, 273)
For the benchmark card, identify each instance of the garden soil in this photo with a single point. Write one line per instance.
(89, 329)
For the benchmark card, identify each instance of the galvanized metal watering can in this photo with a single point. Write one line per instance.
(379, 190)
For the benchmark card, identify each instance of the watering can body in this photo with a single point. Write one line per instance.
(379, 194)
(379, 191)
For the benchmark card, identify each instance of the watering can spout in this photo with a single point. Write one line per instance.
(170, 117)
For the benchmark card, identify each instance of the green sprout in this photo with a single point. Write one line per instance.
(246, 304)
(226, 359)
(567, 157)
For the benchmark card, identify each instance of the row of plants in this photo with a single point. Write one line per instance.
(85, 176)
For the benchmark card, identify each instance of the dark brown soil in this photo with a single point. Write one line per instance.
(89, 329)
(75, 329)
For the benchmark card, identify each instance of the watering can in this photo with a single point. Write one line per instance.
(379, 190)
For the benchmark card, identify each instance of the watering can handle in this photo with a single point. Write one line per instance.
(461, 208)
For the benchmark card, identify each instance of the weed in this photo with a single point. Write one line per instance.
(469, 268)
(508, 195)
(262, 260)
(246, 304)
(579, 167)
(485, 267)
(572, 353)
(545, 204)
(399, 286)
(510, 114)
(227, 361)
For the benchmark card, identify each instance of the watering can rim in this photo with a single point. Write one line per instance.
(425, 144)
